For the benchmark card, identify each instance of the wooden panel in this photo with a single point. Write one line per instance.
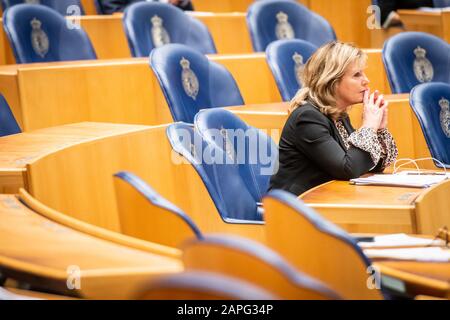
(433, 209)
(252, 75)
(39, 251)
(437, 23)
(348, 18)
(120, 92)
(18, 150)
(222, 5)
(85, 172)
(89, 7)
(229, 31)
(107, 36)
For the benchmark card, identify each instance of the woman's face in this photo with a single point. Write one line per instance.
(350, 90)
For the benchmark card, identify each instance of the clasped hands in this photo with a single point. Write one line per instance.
(375, 112)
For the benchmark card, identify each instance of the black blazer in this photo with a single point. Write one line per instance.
(312, 152)
(111, 6)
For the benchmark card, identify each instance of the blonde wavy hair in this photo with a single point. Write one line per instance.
(321, 75)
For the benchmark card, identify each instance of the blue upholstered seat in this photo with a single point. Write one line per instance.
(8, 124)
(40, 34)
(431, 104)
(190, 82)
(252, 151)
(411, 58)
(64, 7)
(270, 20)
(228, 191)
(286, 59)
(150, 25)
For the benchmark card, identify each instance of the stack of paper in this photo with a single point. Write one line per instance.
(434, 254)
(403, 180)
(399, 240)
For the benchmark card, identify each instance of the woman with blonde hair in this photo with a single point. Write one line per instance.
(318, 142)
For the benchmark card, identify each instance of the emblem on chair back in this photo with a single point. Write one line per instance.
(299, 67)
(444, 116)
(189, 79)
(160, 36)
(423, 69)
(39, 39)
(283, 29)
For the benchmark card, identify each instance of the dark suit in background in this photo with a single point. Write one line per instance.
(387, 6)
(111, 6)
(312, 152)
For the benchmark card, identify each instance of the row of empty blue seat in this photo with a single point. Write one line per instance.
(150, 24)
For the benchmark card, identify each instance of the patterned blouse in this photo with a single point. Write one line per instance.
(380, 145)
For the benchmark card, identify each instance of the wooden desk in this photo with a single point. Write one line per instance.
(436, 22)
(39, 251)
(379, 209)
(77, 182)
(100, 90)
(418, 278)
(407, 132)
(19, 149)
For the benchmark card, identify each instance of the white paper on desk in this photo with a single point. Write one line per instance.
(416, 181)
(418, 254)
(399, 240)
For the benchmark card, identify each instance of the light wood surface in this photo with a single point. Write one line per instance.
(437, 22)
(36, 250)
(403, 124)
(85, 172)
(19, 149)
(381, 209)
(315, 252)
(418, 277)
(99, 90)
(235, 262)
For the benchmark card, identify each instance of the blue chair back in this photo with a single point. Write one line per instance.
(251, 150)
(271, 20)
(150, 25)
(411, 58)
(40, 34)
(441, 3)
(64, 7)
(8, 124)
(223, 181)
(431, 104)
(190, 82)
(286, 59)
